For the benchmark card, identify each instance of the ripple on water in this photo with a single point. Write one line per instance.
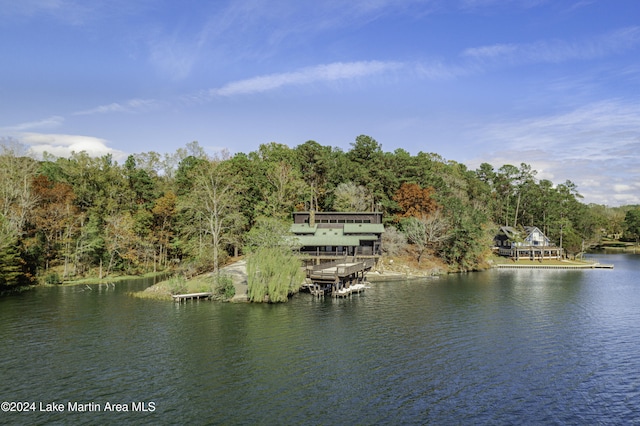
(502, 347)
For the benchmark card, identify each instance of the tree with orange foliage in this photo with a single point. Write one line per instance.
(415, 201)
(54, 216)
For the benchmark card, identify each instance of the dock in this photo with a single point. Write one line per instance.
(191, 296)
(543, 266)
(340, 278)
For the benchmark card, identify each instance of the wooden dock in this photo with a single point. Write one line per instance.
(543, 266)
(191, 296)
(339, 278)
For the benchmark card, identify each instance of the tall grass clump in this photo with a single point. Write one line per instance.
(177, 285)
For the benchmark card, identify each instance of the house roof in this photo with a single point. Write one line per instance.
(512, 233)
(303, 228)
(328, 237)
(509, 231)
(347, 234)
(363, 228)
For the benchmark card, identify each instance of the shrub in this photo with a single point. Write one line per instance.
(52, 278)
(224, 287)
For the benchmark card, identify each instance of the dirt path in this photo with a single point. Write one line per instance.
(238, 272)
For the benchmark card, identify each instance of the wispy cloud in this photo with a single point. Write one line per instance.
(492, 51)
(559, 50)
(478, 4)
(29, 8)
(438, 70)
(597, 146)
(250, 30)
(130, 106)
(175, 56)
(69, 12)
(318, 74)
(49, 122)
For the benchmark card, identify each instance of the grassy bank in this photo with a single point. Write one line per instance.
(164, 289)
(113, 279)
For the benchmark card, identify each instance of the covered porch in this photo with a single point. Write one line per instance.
(532, 252)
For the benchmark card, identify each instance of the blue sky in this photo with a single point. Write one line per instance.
(554, 84)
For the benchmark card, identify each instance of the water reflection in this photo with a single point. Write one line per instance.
(516, 346)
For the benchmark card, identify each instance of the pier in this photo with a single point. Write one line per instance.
(543, 266)
(339, 278)
(191, 296)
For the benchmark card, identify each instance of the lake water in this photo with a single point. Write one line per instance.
(497, 347)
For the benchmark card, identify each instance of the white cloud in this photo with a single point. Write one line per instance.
(435, 70)
(623, 187)
(559, 50)
(596, 146)
(321, 73)
(131, 106)
(490, 51)
(62, 145)
(250, 29)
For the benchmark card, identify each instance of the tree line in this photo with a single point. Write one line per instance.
(66, 218)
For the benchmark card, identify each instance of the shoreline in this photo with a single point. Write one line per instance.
(237, 271)
(108, 280)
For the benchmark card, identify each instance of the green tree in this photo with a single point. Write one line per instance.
(285, 189)
(632, 223)
(120, 240)
(470, 236)
(269, 232)
(165, 215)
(249, 179)
(141, 188)
(367, 168)
(505, 179)
(314, 161)
(11, 273)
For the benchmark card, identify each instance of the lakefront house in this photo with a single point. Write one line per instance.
(327, 235)
(527, 243)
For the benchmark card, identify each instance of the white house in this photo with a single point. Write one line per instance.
(532, 244)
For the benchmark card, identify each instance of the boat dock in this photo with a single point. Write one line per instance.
(191, 296)
(543, 266)
(339, 278)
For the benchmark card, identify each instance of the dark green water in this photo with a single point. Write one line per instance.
(500, 347)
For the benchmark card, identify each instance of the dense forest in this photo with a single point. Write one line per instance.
(67, 218)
